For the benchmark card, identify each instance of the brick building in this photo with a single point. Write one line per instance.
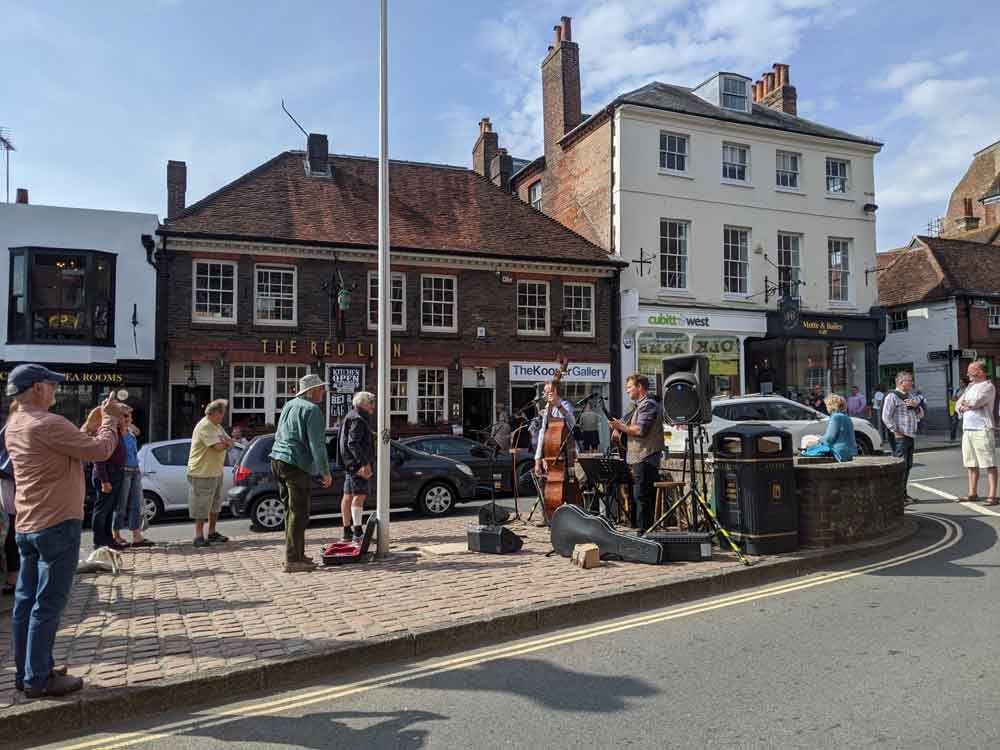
(714, 194)
(274, 276)
(939, 292)
(974, 206)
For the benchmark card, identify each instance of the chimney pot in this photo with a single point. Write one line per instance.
(758, 90)
(485, 126)
(22, 196)
(558, 30)
(176, 187)
(485, 148)
(768, 83)
(567, 28)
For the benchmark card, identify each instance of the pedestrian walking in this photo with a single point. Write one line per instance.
(107, 520)
(357, 453)
(900, 415)
(878, 398)
(130, 491)
(47, 452)
(976, 407)
(590, 424)
(298, 453)
(856, 403)
(206, 462)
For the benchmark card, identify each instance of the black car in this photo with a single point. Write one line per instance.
(431, 484)
(477, 457)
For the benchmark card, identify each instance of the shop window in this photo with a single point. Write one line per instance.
(789, 263)
(532, 307)
(274, 301)
(838, 369)
(397, 298)
(286, 379)
(736, 264)
(994, 316)
(430, 403)
(214, 292)
(673, 253)
(839, 265)
(899, 321)
(398, 390)
(431, 396)
(438, 303)
(578, 309)
(653, 347)
(61, 297)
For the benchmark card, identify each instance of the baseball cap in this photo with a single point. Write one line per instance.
(22, 377)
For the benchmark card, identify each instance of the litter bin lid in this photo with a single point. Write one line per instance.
(746, 440)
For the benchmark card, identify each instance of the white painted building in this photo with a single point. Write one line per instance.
(81, 299)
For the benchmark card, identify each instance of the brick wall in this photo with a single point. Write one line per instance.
(974, 183)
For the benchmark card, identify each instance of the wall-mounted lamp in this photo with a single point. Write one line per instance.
(192, 378)
(318, 364)
(222, 361)
(480, 377)
(870, 209)
(457, 363)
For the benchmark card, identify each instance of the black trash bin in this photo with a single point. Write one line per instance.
(755, 495)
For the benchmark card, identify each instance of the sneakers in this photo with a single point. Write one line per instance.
(216, 538)
(57, 685)
(200, 541)
(300, 567)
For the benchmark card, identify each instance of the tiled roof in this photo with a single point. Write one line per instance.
(988, 234)
(433, 208)
(681, 99)
(937, 268)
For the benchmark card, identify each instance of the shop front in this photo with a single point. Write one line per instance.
(657, 331)
(87, 385)
(802, 351)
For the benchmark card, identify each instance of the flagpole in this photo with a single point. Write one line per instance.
(384, 286)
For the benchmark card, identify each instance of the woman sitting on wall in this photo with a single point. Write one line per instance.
(839, 439)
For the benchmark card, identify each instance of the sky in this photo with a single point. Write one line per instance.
(98, 96)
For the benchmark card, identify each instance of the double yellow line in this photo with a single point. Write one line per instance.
(953, 535)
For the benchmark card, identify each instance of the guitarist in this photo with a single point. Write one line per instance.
(644, 430)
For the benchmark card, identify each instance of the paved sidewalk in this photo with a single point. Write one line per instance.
(176, 613)
(935, 441)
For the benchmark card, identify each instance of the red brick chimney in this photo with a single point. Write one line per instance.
(22, 196)
(501, 169)
(485, 149)
(176, 187)
(775, 90)
(318, 153)
(561, 106)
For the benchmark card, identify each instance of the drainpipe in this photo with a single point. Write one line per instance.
(616, 340)
(160, 259)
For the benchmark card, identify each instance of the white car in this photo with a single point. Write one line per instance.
(164, 477)
(778, 411)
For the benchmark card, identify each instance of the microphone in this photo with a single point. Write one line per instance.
(588, 398)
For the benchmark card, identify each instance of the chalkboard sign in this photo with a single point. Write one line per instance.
(343, 381)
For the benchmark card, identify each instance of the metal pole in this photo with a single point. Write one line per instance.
(950, 386)
(384, 286)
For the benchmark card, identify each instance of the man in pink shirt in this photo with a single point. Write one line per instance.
(47, 454)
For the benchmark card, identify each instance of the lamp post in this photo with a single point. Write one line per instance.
(384, 287)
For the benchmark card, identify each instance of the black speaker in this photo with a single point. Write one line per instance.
(495, 540)
(687, 389)
(486, 516)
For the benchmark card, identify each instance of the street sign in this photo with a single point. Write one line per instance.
(938, 356)
(970, 354)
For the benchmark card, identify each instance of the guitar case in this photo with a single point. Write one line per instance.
(342, 553)
(572, 526)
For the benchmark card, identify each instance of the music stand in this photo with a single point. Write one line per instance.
(607, 474)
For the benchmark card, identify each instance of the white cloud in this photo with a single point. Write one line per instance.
(903, 74)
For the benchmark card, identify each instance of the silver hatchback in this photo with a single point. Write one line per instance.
(164, 477)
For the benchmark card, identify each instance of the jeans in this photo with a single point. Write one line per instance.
(902, 447)
(295, 487)
(130, 501)
(644, 475)
(48, 564)
(105, 507)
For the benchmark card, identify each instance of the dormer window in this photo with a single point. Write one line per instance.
(734, 93)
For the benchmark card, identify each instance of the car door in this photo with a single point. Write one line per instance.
(170, 472)
(476, 457)
(327, 499)
(798, 420)
(402, 476)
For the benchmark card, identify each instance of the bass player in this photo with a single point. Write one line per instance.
(644, 429)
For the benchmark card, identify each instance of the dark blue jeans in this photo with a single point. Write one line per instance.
(903, 448)
(105, 506)
(48, 564)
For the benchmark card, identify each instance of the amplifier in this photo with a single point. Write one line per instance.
(683, 546)
(495, 540)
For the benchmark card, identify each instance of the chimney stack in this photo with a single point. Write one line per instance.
(561, 105)
(176, 187)
(22, 196)
(485, 149)
(318, 154)
(775, 90)
(501, 169)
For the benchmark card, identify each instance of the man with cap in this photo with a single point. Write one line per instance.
(299, 451)
(47, 453)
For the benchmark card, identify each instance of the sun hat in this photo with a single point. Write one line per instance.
(308, 383)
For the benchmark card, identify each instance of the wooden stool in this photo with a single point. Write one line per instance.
(666, 494)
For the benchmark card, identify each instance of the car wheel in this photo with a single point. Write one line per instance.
(437, 499)
(864, 445)
(267, 514)
(152, 508)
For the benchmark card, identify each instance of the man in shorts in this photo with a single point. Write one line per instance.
(206, 462)
(976, 407)
(357, 454)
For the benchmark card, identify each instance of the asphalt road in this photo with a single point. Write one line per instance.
(895, 651)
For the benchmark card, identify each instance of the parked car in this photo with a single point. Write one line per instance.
(164, 477)
(476, 456)
(798, 419)
(432, 484)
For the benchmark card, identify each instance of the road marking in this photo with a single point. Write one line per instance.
(931, 479)
(971, 506)
(953, 535)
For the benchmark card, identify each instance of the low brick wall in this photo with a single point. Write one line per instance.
(841, 503)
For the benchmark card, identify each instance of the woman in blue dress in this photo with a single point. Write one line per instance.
(839, 435)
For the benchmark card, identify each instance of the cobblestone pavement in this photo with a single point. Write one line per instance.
(176, 610)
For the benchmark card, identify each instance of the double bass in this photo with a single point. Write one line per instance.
(561, 485)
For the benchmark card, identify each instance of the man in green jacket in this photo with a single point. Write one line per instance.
(300, 451)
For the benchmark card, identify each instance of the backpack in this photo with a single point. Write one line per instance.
(6, 467)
